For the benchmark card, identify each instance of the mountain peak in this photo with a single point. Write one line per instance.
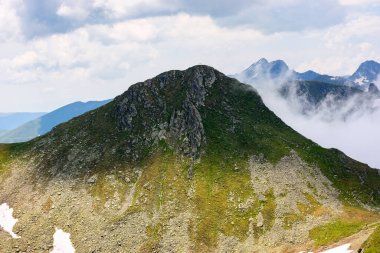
(278, 67)
(367, 72)
(263, 69)
(262, 61)
(278, 62)
(192, 152)
(307, 75)
(181, 91)
(370, 62)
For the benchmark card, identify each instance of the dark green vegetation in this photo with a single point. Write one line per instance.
(185, 139)
(4, 158)
(351, 222)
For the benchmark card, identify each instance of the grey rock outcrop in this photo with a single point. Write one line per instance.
(184, 128)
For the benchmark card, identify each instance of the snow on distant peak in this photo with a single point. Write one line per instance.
(367, 72)
(262, 61)
(7, 221)
(361, 80)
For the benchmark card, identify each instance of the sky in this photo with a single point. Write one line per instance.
(53, 52)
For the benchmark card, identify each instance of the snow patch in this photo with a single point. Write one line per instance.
(341, 249)
(62, 242)
(7, 221)
(361, 80)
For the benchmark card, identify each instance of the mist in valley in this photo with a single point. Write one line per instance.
(352, 125)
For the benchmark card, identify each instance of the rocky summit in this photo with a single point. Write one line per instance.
(189, 161)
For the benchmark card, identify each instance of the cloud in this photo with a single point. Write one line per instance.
(102, 61)
(358, 2)
(344, 46)
(356, 133)
(45, 17)
(10, 21)
(291, 15)
(133, 9)
(216, 8)
(73, 9)
(123, 52)
(109, 51)
(360, 27)
(93, 51)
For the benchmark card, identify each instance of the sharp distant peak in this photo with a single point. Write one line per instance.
(262, 60)
(265, 62)
(309, 72)
(370, 62)
(278, 62)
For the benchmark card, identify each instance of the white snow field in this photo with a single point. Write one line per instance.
(7, 221)
(62, 242)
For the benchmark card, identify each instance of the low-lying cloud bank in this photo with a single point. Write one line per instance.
(357, 132)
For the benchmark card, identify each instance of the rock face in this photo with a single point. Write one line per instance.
(188, 161)
(128, 129)
(185, 124)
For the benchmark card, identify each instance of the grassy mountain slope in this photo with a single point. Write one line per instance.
(189, 161)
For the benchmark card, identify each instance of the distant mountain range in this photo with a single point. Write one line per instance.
(312, 89)
(366, 74)
(42, 125)
(9, 121)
